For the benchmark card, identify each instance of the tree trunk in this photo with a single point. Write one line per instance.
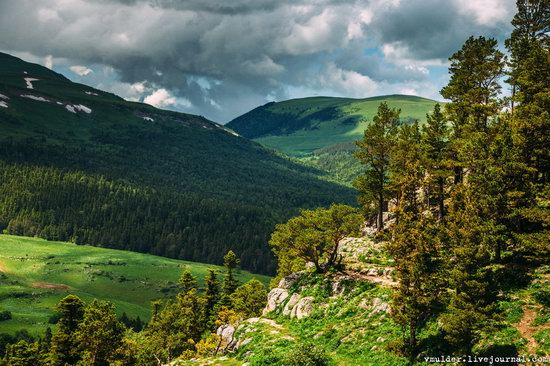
(441, 198)
(380, 212)
(412, 336)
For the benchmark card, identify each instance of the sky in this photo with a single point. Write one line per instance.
(221, 59)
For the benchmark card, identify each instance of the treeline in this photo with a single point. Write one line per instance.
(171, 188)
(183, 327)
(469, 191)
(87, 209)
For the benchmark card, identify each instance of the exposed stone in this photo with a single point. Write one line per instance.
(291, 303)
(338, 287)
(287, 282)
(242, 343)
(379, 306)
(275, 297)
(226, 333)
(364, 304)
(303, 308)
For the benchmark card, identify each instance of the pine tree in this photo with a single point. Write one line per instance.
(375, 153)
(65, 346)
(187, 281)
(211, 294)
(249, 299)
(314, 236)
(230, 283)
(529, 45)
(473, 89)
(99, 334)
(414, 243)
(435, 136)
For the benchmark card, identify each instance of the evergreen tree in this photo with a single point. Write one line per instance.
(99, 334)
(419, 271)
(176, 328)
(65, 346)
(23, 353)
(249, 299)
(473, 89)
(435, 135)
(230, 283)
(472, 307)
(314, 236)
(211, 294)
(187, 281)
(375, 153)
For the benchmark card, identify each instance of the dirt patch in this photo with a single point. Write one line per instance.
(2, 268)
(527, 329)
(54, 286)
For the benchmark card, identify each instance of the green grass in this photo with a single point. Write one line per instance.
(308, 124)
(129, 280)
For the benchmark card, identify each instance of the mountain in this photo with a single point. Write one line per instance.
(82, 165)
(301, 126)
(320, 131)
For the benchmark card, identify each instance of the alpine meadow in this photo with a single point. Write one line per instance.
(257, 183)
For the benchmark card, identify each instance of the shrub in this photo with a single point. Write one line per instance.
(307, 355)
(543, 297)
(5, 315)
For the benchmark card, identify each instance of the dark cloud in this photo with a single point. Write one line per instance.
(222, 58)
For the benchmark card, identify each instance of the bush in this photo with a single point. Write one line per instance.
(307, 355)
(543, 297)
(5, 315)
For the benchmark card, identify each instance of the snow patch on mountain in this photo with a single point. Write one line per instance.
(91, 93)
(34, 97)
(29, 82)
(148, 119)
(3, 104)
(78, 107)
(2, 96)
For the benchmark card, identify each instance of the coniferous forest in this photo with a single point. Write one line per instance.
(446, 253)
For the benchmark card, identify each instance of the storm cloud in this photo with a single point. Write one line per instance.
(222, 58)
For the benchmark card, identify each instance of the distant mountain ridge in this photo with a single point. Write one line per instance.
(83, 165)
(300, 126)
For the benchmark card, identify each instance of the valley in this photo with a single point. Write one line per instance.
(36, 274)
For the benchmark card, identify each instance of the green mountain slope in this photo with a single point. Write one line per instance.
(301, 126)
(35, 274)
(78, 164)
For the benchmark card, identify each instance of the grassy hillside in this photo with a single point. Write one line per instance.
(82, 165)
(350, 319)
(299, 127)
(35, 274)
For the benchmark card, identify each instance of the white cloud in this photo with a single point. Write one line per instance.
(48, 61)
(347, 82)
(81, 70)
(162, 98)
(487, 12)
(264, 66)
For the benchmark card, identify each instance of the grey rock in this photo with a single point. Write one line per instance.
(291, 303)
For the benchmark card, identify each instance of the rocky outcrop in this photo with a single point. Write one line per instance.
(288, 281)
(275, 298)
(226, 333)
(303, 308)
(291, 304)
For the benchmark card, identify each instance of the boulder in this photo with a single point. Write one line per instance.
(287, 282)
(275, 297)
(303, 308)
(291, 303)
(226, 333)
(379, 306)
